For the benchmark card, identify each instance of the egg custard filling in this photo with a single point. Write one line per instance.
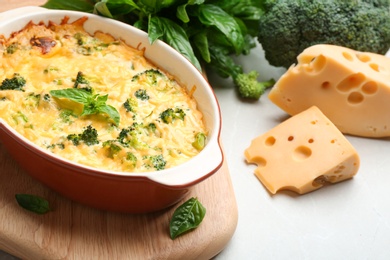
(94, 100)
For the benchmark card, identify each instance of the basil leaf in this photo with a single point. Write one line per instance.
(92, 104)
(101, 8)
(175, 36)
(76, 5)
(121, 7)
(223, 63)
(155, 31)
(111, 112)
(181, 11)
(186, 217)
(74, 94)
(212, 15)
(201, 43)
(33, 203)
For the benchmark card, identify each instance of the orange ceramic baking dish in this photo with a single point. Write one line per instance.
(109, 190)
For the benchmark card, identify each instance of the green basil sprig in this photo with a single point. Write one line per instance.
(93, 103)
(33, 203)
(186, 217)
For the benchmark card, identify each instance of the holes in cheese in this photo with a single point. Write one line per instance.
(302, 154)
(351, 82)
(351, 88)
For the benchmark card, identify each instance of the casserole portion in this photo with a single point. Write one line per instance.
(96, 101)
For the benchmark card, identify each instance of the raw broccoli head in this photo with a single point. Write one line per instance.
(290, 26)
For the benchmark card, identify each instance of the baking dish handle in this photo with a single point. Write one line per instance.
(195, 170)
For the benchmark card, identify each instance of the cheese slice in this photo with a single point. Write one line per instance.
(351, 88)
(302, 154)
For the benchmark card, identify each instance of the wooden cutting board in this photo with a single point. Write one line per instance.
(74, 231)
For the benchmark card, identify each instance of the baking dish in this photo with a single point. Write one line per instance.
(108, 190)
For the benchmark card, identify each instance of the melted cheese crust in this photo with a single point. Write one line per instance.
(49, 57)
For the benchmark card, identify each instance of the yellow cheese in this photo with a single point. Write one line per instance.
(302, 154)
(351, 88)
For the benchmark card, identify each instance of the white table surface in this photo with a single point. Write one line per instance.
(348, 220)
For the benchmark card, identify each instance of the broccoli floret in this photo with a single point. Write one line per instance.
(46, 97)
(74, 138)
(170, 114)
(247, 84)
(19, 117)
(151, 76)
(132, 159)
(82, 83)
(59, 145)
(33, 99)
(81, 38)
(128, 137)
(249, 87)
(151, 127)
(290, 26)
(66, 115)
(141, 94)
(11, 49)
(112, 148)
(200, 141)
(156, 161)
(131, 105)
(89, 136)
(17, 82)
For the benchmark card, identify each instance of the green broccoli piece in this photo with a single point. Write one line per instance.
(89, 136)
(141, 94)
(33, 99)
(74, 138)
(151, 76)
(81, 82)
(249, 87)
(130, 105)
(247, 84)
(290, 26)
(66, 115)
(17, 82)
(131, 158)
(200, 141)
(156, 161)
(170, 114)
(112, 148)
(128, 137)
(151, 127)
(11, 49)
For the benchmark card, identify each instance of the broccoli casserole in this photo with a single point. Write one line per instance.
(96, 101)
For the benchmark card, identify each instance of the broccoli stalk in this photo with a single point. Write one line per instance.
(290, 26)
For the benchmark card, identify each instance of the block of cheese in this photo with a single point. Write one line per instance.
(351, 88)
(302, 154)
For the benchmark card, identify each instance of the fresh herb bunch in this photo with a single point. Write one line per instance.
(206, 32)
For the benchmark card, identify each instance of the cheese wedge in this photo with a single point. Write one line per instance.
(351, 88)
(302, 154)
